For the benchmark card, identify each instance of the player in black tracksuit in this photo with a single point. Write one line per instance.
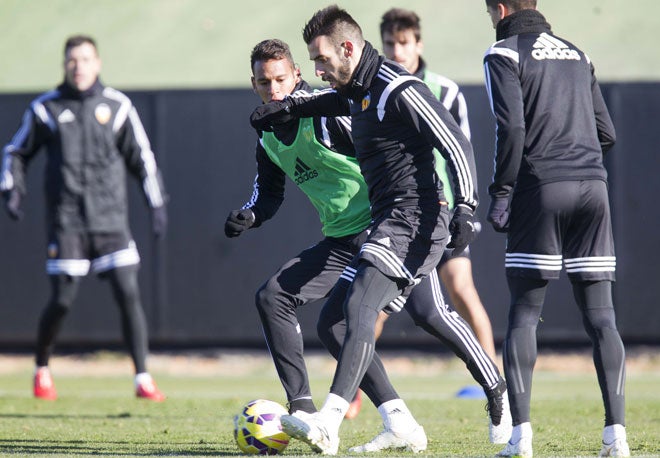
(93, 136)
(396, 124)
(553, 129)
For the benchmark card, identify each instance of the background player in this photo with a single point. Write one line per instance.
(400, 33)
(92, 135)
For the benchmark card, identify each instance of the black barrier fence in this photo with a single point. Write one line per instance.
(198, 286)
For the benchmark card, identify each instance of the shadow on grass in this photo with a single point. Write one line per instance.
(111, 448)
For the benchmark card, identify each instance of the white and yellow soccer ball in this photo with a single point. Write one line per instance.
(257, 428)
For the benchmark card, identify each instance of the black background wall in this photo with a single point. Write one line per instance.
(198, 286)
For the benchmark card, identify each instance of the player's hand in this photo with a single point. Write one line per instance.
(13, 204)
(239, 221)
(266, 115)
(462, 229)
(498, 213)
(159, 221)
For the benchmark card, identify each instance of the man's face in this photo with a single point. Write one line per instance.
(274, 79)
(82, 66)
(331, 64)
(402, 47)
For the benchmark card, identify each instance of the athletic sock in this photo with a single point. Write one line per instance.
(396, 416)
(521, 430)
(334, 409)
(614, 432)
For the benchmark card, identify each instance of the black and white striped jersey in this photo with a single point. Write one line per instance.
(397, 122)
(552, 121)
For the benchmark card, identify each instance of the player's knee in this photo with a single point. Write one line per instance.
(268, 299)
(600, 318)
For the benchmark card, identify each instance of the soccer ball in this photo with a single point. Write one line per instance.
(257, 428)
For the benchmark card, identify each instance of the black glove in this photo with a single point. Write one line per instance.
(159, 221)
(498, 213)
(462, 229)
(264, 116)
(13, 204)
(239, 221)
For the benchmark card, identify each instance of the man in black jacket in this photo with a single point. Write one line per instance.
(92, 135)
(396, 124)
(552, 130)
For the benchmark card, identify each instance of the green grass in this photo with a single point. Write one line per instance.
(207, 43)
(97, 415)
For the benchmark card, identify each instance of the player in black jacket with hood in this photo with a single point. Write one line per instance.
(553, 129)
(396, 124)
(92, 135)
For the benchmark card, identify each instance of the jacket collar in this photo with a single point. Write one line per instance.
(365, 72)
(523, 21)
(71, 92)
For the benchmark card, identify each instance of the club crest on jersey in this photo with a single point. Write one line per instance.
(366, 101)
(52, 250)
(102, 113)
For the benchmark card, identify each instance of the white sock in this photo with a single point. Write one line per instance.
(38, 368)
(613, 432)
(142, 377)
(396, 416)
(334, 409)
(521, 430)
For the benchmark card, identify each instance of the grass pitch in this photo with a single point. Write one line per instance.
(97, 414)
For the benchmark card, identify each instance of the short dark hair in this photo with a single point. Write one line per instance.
(77, 40)
(332, 21)
(271, 49)
(397, 20)
(515, 5)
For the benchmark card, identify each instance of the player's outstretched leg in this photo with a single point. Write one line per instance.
(428, 310)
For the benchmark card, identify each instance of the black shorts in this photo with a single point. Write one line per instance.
(564, 222)
(76, 253)
(406, 244)
(313, 273)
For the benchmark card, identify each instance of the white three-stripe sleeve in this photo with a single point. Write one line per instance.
(145, 162)
(25, 143)
(440, 128)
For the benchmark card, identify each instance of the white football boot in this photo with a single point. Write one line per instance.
(520, 444)
(615, 441)
(414, 441)
(311, 429)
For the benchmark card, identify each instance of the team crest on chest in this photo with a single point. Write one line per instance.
(102, 112)
(366, 101)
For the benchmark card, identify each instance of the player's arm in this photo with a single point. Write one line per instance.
(506, 101)
(268, 189)
(459, 112)
(421, 110)
(36, 126)
(300, 104)
(604, 125)
(267, 196)
(133, 143)
(17, 154)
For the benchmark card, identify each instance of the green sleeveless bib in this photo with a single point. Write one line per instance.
(331, 181)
